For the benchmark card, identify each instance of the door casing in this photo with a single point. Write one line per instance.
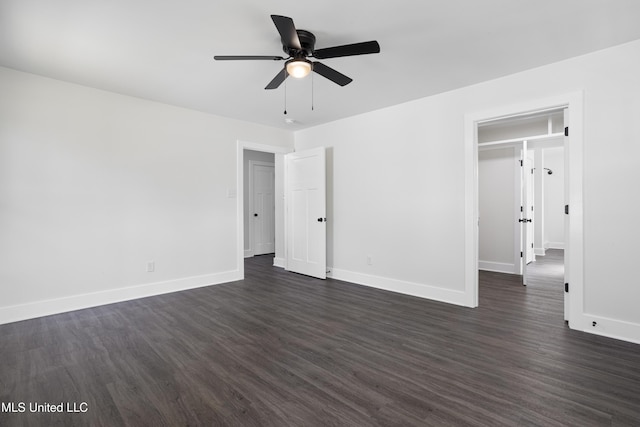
(237, 193)
(574, 254)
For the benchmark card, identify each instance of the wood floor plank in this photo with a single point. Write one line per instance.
(281, 349)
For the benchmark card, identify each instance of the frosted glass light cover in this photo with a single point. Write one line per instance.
(298, 69)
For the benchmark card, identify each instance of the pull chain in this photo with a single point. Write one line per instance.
(285, 96)
(312, 91)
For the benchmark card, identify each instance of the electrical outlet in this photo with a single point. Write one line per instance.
(151, 266)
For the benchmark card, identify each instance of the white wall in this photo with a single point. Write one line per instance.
(398, 184)
(251, 155)
(94, 185)
(396, 181)
(554, 199)
(498, 194)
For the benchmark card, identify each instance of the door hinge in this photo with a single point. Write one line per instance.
(566, 209)
(520, 254)
(521, 163)
(521, 209)
(566, 131)
(566, 287)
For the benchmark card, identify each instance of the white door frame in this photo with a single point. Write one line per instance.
(574, 262)
(240, 147)
(567, 224)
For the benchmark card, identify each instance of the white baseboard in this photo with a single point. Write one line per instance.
(400, 286)
(554, 245)
(248, 253)
(612, 328)
(498, 267)
(278, 262)
(35, 309)
(540, 251)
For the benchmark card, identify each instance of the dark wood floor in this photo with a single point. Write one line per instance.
(279, 349)
(547, 271)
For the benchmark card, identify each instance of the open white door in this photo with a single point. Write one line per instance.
(305, 190)
(526, 214)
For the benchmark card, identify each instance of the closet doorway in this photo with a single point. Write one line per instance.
(516, 211)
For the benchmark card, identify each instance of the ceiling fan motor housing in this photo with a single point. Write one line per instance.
(307, 42)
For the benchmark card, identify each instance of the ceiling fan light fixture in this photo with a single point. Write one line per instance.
(298, 68)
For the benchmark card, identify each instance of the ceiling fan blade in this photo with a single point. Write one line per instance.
(348, 50)
(278, 79)
(287, 31)
(331, 74)
(246, 57)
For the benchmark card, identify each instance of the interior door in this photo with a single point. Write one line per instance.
(524, 209)
(263, 185)
(305, 190)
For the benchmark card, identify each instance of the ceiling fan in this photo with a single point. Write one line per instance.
(299, 45)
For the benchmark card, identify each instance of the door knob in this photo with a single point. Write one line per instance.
(255, 214)
(322, 219)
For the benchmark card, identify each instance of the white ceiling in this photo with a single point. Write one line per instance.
(163, 50)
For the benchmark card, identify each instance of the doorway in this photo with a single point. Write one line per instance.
(276, 153)
(259, 203)
(512, 190)
(574, 252)
(284, 219)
